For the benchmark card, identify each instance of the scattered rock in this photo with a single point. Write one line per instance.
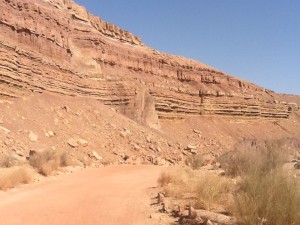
(5, 130)
(148, 139)
(165, 208)
(50, 133)
(73, 143)
(207, 222)
(159, 161)
(95, 155)
(82, 142)
(123, 134)
(160, 198)
(32, 137)
(66, 108)
(191, 147)
(192, 213)
(194, 151)
(297, 166)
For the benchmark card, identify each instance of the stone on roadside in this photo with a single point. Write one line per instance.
(32, 137)
(72, 142)
(95, 155)
(5, 130)
(160, 198)
(207, 222)
(192, 213)
(191, 147)
(82, 142)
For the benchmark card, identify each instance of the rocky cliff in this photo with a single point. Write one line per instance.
(57, 46)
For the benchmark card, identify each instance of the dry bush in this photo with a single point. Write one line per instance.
(49, 161)
(248, 159)
(66, 160)
(13, 176)
(7, 161)
(208, 188)
(266, 193)
(177, 181)
(271, 199)
(213, 190)
(195, 162)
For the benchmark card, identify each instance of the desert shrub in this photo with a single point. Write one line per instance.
(66, 160)
(269, 199)
(48, 161)
(195, 162)
(206, 187)
(213, 190)
(266, 194)
(8, 160)
(264, 158)
(13, 176)
(165, 178)
(177, 181)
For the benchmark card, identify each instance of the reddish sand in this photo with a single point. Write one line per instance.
(110, 195)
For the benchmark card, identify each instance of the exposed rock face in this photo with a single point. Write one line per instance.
(57, 46)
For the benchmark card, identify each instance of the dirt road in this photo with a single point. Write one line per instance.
(105, 196)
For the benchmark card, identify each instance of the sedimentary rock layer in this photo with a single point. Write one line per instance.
(57, 46)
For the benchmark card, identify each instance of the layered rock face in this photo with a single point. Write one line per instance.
(57, 46)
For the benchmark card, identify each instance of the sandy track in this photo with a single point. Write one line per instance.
(105, 196)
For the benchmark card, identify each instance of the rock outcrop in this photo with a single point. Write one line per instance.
(57, 46)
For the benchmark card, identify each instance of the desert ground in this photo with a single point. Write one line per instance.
(108, 195)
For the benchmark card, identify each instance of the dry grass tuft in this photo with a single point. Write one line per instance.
(207, 188)
(195, 162)
(249, 159)
(213, 190)
(176, 182)
(13, 176)
(266, 194)
(48, 161)
(7, 161)
(269, 199)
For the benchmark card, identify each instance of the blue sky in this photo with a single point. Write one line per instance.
(257, 40)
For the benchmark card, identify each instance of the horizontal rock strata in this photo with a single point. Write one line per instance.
(57, 46)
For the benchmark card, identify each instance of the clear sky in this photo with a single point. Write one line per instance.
(256, 40)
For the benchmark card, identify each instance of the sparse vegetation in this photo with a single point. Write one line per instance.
(48, 161)
(266, 193)
(13, 176)
(8, 160)
(269, 199)
(249, 159)
(207, 188)
(14, 172)
(213, 189)
(257, 189)
(195, 162)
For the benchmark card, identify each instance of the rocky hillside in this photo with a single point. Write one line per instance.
(57, 46)
(89, 131)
